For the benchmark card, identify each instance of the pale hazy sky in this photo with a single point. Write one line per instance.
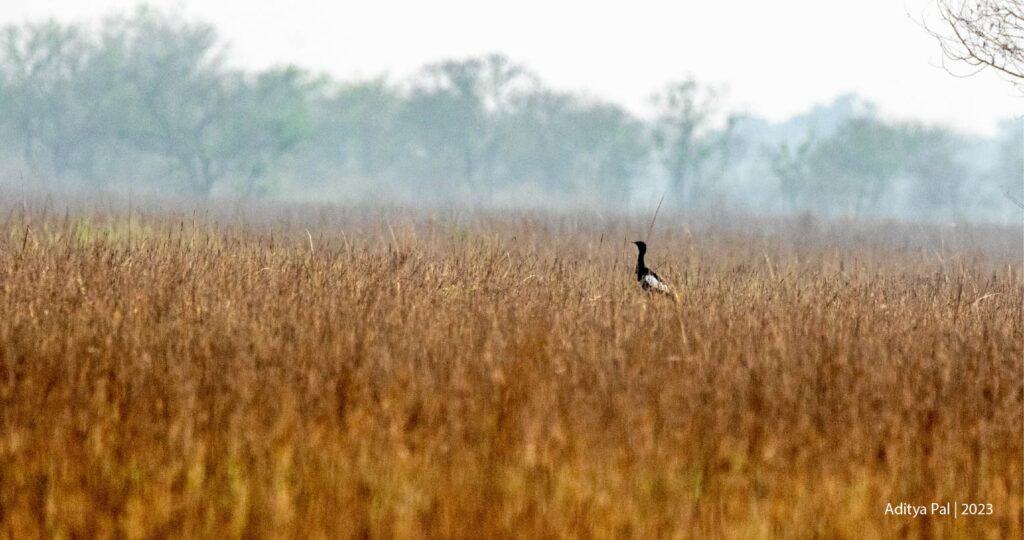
(776, 58)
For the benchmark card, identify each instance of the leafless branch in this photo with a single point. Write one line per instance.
(984, 34)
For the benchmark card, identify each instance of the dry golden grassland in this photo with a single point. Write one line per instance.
(336, 374)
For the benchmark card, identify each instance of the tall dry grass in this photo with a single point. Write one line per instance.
(345, 375)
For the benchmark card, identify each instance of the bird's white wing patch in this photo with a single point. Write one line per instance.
(655, 284)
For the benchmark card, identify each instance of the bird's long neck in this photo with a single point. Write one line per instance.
(641, 268)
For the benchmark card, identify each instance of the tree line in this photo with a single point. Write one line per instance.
(152, 99)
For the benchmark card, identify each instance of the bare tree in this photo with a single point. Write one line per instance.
(984, 34)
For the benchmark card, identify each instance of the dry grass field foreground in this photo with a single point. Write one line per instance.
(333, 373)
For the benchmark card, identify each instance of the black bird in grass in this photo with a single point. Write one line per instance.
(649, 281)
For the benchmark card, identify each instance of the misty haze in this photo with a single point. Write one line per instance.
(148, 101)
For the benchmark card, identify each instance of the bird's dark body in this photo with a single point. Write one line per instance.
(644, 284)
(648, 279)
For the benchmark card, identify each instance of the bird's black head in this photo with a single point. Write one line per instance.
(641, 245)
